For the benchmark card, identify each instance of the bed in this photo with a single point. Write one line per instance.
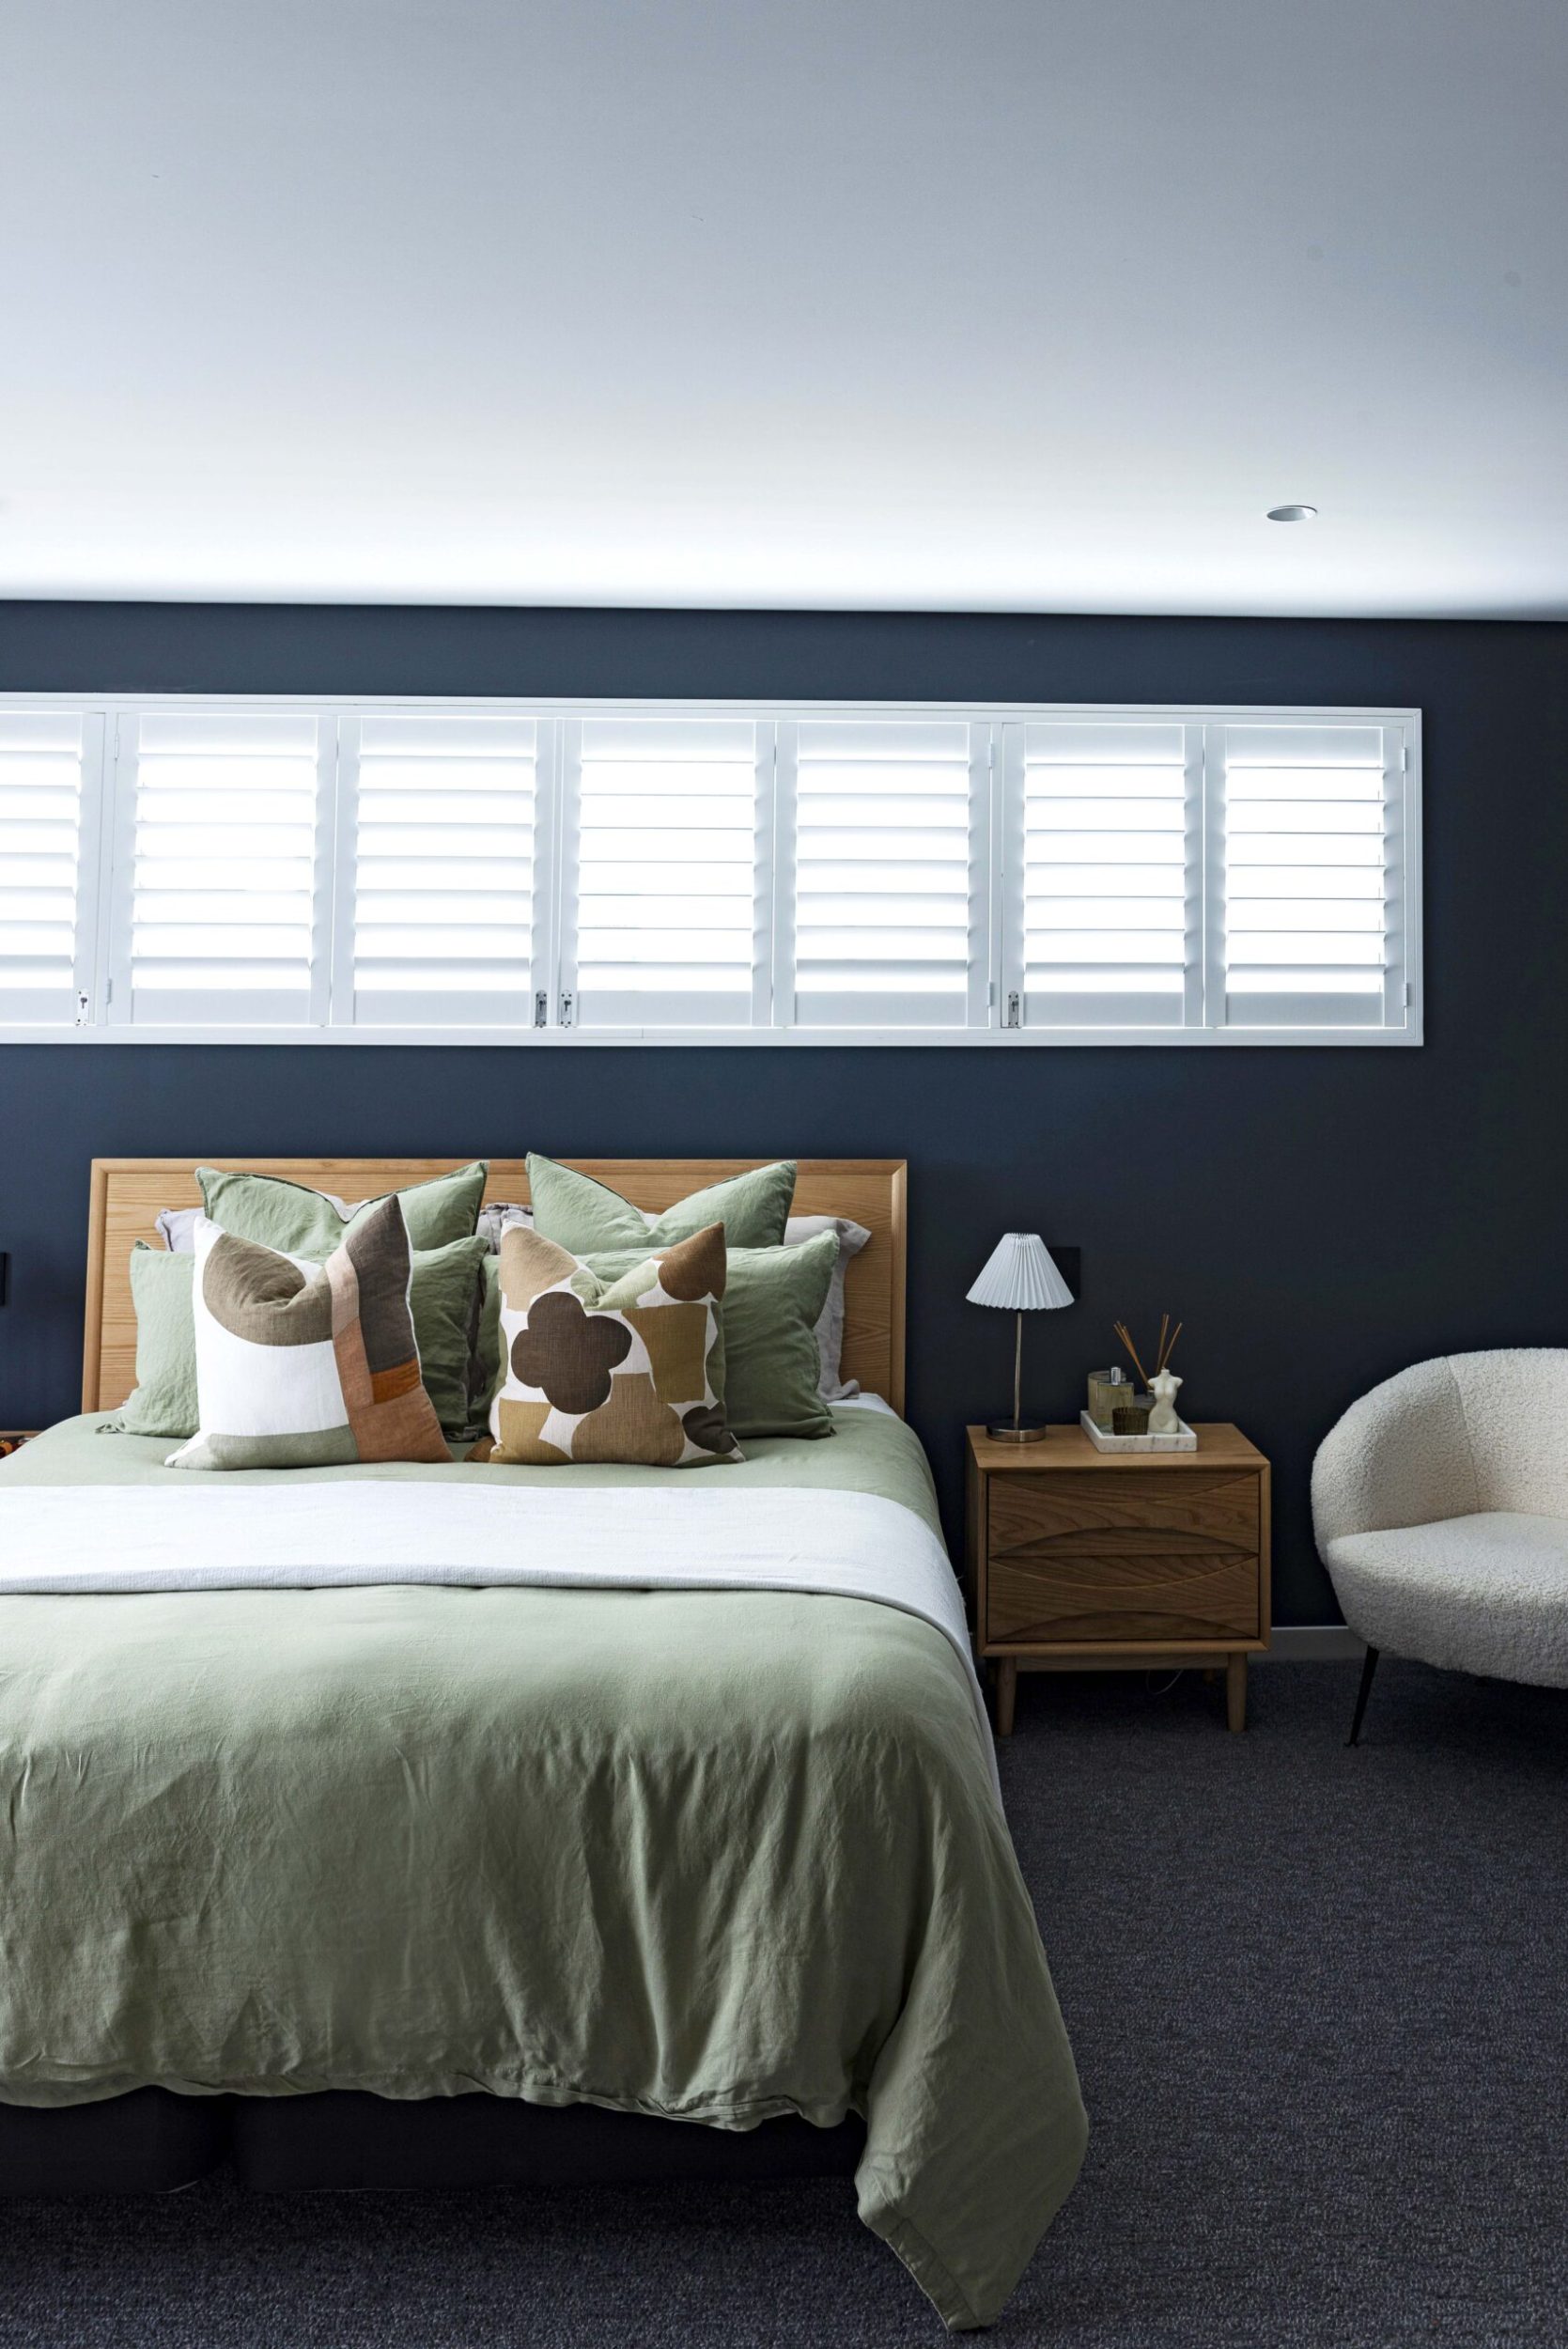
(347, 1803)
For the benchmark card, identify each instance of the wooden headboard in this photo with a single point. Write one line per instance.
(129, 1194)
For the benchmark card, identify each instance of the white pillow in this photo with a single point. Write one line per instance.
(500, 1217)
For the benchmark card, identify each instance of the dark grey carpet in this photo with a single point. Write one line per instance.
(1318, 2003)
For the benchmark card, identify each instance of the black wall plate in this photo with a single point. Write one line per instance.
(1069, 1262)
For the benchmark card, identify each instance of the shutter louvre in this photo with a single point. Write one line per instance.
(884, 887)
(1312, 821)
(218, 868)
(1102, 889)
(438, 819)
(47, 872)
(666, 906)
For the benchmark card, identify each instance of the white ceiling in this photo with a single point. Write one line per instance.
(989, 304)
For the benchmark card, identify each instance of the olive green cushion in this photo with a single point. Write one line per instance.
(304, 1223)
(164, 1400)
(446, 1296)
(587, 1217)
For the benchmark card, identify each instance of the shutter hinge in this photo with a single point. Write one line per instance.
(108, 992)
(1409, 993)
(1012, 1020)
(81, 1011)
(1405, 758)
(990, 993)
(542, 1009)
(566, 1011)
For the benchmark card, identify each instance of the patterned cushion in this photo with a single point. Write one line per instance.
(307, 1365)
(615, 1369)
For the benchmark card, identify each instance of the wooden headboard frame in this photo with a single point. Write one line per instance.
(129, 1194)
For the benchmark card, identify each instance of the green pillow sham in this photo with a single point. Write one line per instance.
(766, 1367)
(588, 1216)
(444, 1295)
(304, 1223)
(162, 1402)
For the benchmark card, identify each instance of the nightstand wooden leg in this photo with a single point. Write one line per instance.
(1007, 1689)
(1236, 1690)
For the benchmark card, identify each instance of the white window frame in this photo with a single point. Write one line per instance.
(104, 880)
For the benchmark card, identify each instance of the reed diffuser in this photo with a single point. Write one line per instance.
(1159, 1417)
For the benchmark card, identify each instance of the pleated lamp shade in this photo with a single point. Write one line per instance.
(1021, 1276)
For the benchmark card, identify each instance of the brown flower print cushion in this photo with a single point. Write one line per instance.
(617, 1369)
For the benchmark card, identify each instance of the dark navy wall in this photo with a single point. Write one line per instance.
(1320, 1218)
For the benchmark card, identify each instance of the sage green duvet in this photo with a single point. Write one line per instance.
(713, 1854)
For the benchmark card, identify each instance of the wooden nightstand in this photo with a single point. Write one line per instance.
(1087, 1560)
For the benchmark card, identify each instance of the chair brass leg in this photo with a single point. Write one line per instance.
(1368, 1667)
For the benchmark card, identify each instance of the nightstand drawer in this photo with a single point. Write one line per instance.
(1157, 1555)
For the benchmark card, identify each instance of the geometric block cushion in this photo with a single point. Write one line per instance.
(617, 1369)
(308, 1365)
(448, 1297)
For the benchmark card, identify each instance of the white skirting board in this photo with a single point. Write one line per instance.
(1312, 1643)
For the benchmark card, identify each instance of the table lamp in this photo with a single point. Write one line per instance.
(1020, 1278)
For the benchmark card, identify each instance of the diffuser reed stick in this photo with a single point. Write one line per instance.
(1125, 1334)
(1163, 1350)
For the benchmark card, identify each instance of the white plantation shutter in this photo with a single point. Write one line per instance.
(1101, 904)
(685, 871)
(666, 881)
(438, 871)
(884, 872)
(48, 863)
(221, 850)
(1309, 875)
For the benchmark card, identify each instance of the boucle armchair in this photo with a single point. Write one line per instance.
(1440, 1506)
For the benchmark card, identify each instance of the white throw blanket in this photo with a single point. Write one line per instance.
(217, 1537)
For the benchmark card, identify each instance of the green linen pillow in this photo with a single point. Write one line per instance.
(445, 1299)
(766, 1367)
(163, 1399)
(587, 1217)
(304, 1222)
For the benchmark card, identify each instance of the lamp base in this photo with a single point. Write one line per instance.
(1007, 1433)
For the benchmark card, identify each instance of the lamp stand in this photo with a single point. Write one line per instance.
(999, 1432)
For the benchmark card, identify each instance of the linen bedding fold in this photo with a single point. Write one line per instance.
(680, 1831)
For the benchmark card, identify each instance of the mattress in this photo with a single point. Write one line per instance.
(712, 1851)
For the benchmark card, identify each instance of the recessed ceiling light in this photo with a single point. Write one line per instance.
(1293, 513)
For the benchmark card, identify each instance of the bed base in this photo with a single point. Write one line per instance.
(152, 2142)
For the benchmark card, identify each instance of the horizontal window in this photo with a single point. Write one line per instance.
(314, 871)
